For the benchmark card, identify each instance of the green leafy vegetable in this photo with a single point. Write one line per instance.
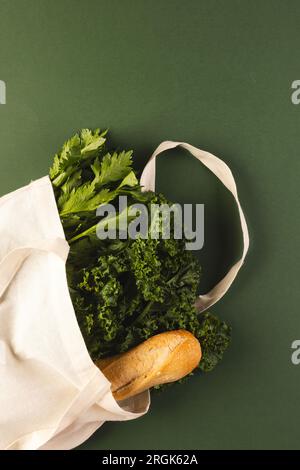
(125, 290)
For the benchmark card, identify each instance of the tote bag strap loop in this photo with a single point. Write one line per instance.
(224, 174)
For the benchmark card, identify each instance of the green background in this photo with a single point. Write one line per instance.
(216, 74)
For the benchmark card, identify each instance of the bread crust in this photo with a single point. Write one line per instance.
(163, 358)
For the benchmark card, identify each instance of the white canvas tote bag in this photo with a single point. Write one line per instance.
(52, 396)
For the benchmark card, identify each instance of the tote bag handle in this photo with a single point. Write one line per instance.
(224, 174)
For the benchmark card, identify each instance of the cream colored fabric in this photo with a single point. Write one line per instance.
(52, 396)
(224, 174)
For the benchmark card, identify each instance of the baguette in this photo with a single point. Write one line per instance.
(163, 358)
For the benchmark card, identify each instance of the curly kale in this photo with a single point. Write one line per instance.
(125, 290)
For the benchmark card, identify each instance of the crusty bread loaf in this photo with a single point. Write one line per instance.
(163, 358)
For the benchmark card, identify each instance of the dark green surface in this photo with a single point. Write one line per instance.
(216, 74)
